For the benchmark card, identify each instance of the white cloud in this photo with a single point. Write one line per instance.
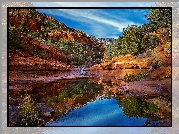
(86, 14)
(96, 21)
(94, 17)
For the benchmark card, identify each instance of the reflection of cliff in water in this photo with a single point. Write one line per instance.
(64, 95)
(75, 94)
(79, 92)
(38, 90)
(146, 103)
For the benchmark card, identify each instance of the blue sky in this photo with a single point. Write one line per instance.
(102, 23)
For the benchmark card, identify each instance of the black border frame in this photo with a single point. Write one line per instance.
(79, 8)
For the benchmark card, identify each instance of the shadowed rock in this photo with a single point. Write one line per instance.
(13, 114)
(44, 109)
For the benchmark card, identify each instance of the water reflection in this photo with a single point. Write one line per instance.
(104, 112)
(92, 102)
(94, 106)
(75, 94)
(135, 107)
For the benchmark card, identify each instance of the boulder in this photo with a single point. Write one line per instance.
(13, 114)
(44, 110)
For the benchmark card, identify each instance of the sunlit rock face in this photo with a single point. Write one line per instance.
(36, 37)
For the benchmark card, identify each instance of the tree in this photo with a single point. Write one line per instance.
(22, 27)
(128, 43)
(150, 42)
(14, 40)
(160, 18)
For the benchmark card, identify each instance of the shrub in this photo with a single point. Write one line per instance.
(41, 54)
(34, 34)
(14, 41)
(167, 47)
(132, 77)
(28, 112)
(81, 54)
(22, 27)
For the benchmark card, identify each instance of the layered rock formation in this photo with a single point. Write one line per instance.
(39, 36)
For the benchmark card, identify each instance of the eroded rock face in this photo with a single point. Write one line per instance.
(37, 56)
(161, 73)
(18, 63)
(13, 101)
(125, 62)
(26, 23)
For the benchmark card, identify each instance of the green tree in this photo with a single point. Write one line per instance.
(131, 40)
(159, 18)
(128, 43)
(22, 27)
(150, 42)
(14, 40)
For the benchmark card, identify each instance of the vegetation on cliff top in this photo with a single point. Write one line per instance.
(136, 40)
(80, 48)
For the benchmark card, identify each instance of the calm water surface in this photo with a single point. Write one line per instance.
(104, 112)
(82, 101)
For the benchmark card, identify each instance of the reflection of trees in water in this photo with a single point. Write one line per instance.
(75, 94)
(135, 107)
(158, 107)
(79, 88)
(78, 92)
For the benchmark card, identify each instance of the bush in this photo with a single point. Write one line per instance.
(28, 113)
(81, 54)
(132, 77)
(167, 47)
(14, 41)
(22, 27)
(51, 25)
(34, 34)
(41, 54)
